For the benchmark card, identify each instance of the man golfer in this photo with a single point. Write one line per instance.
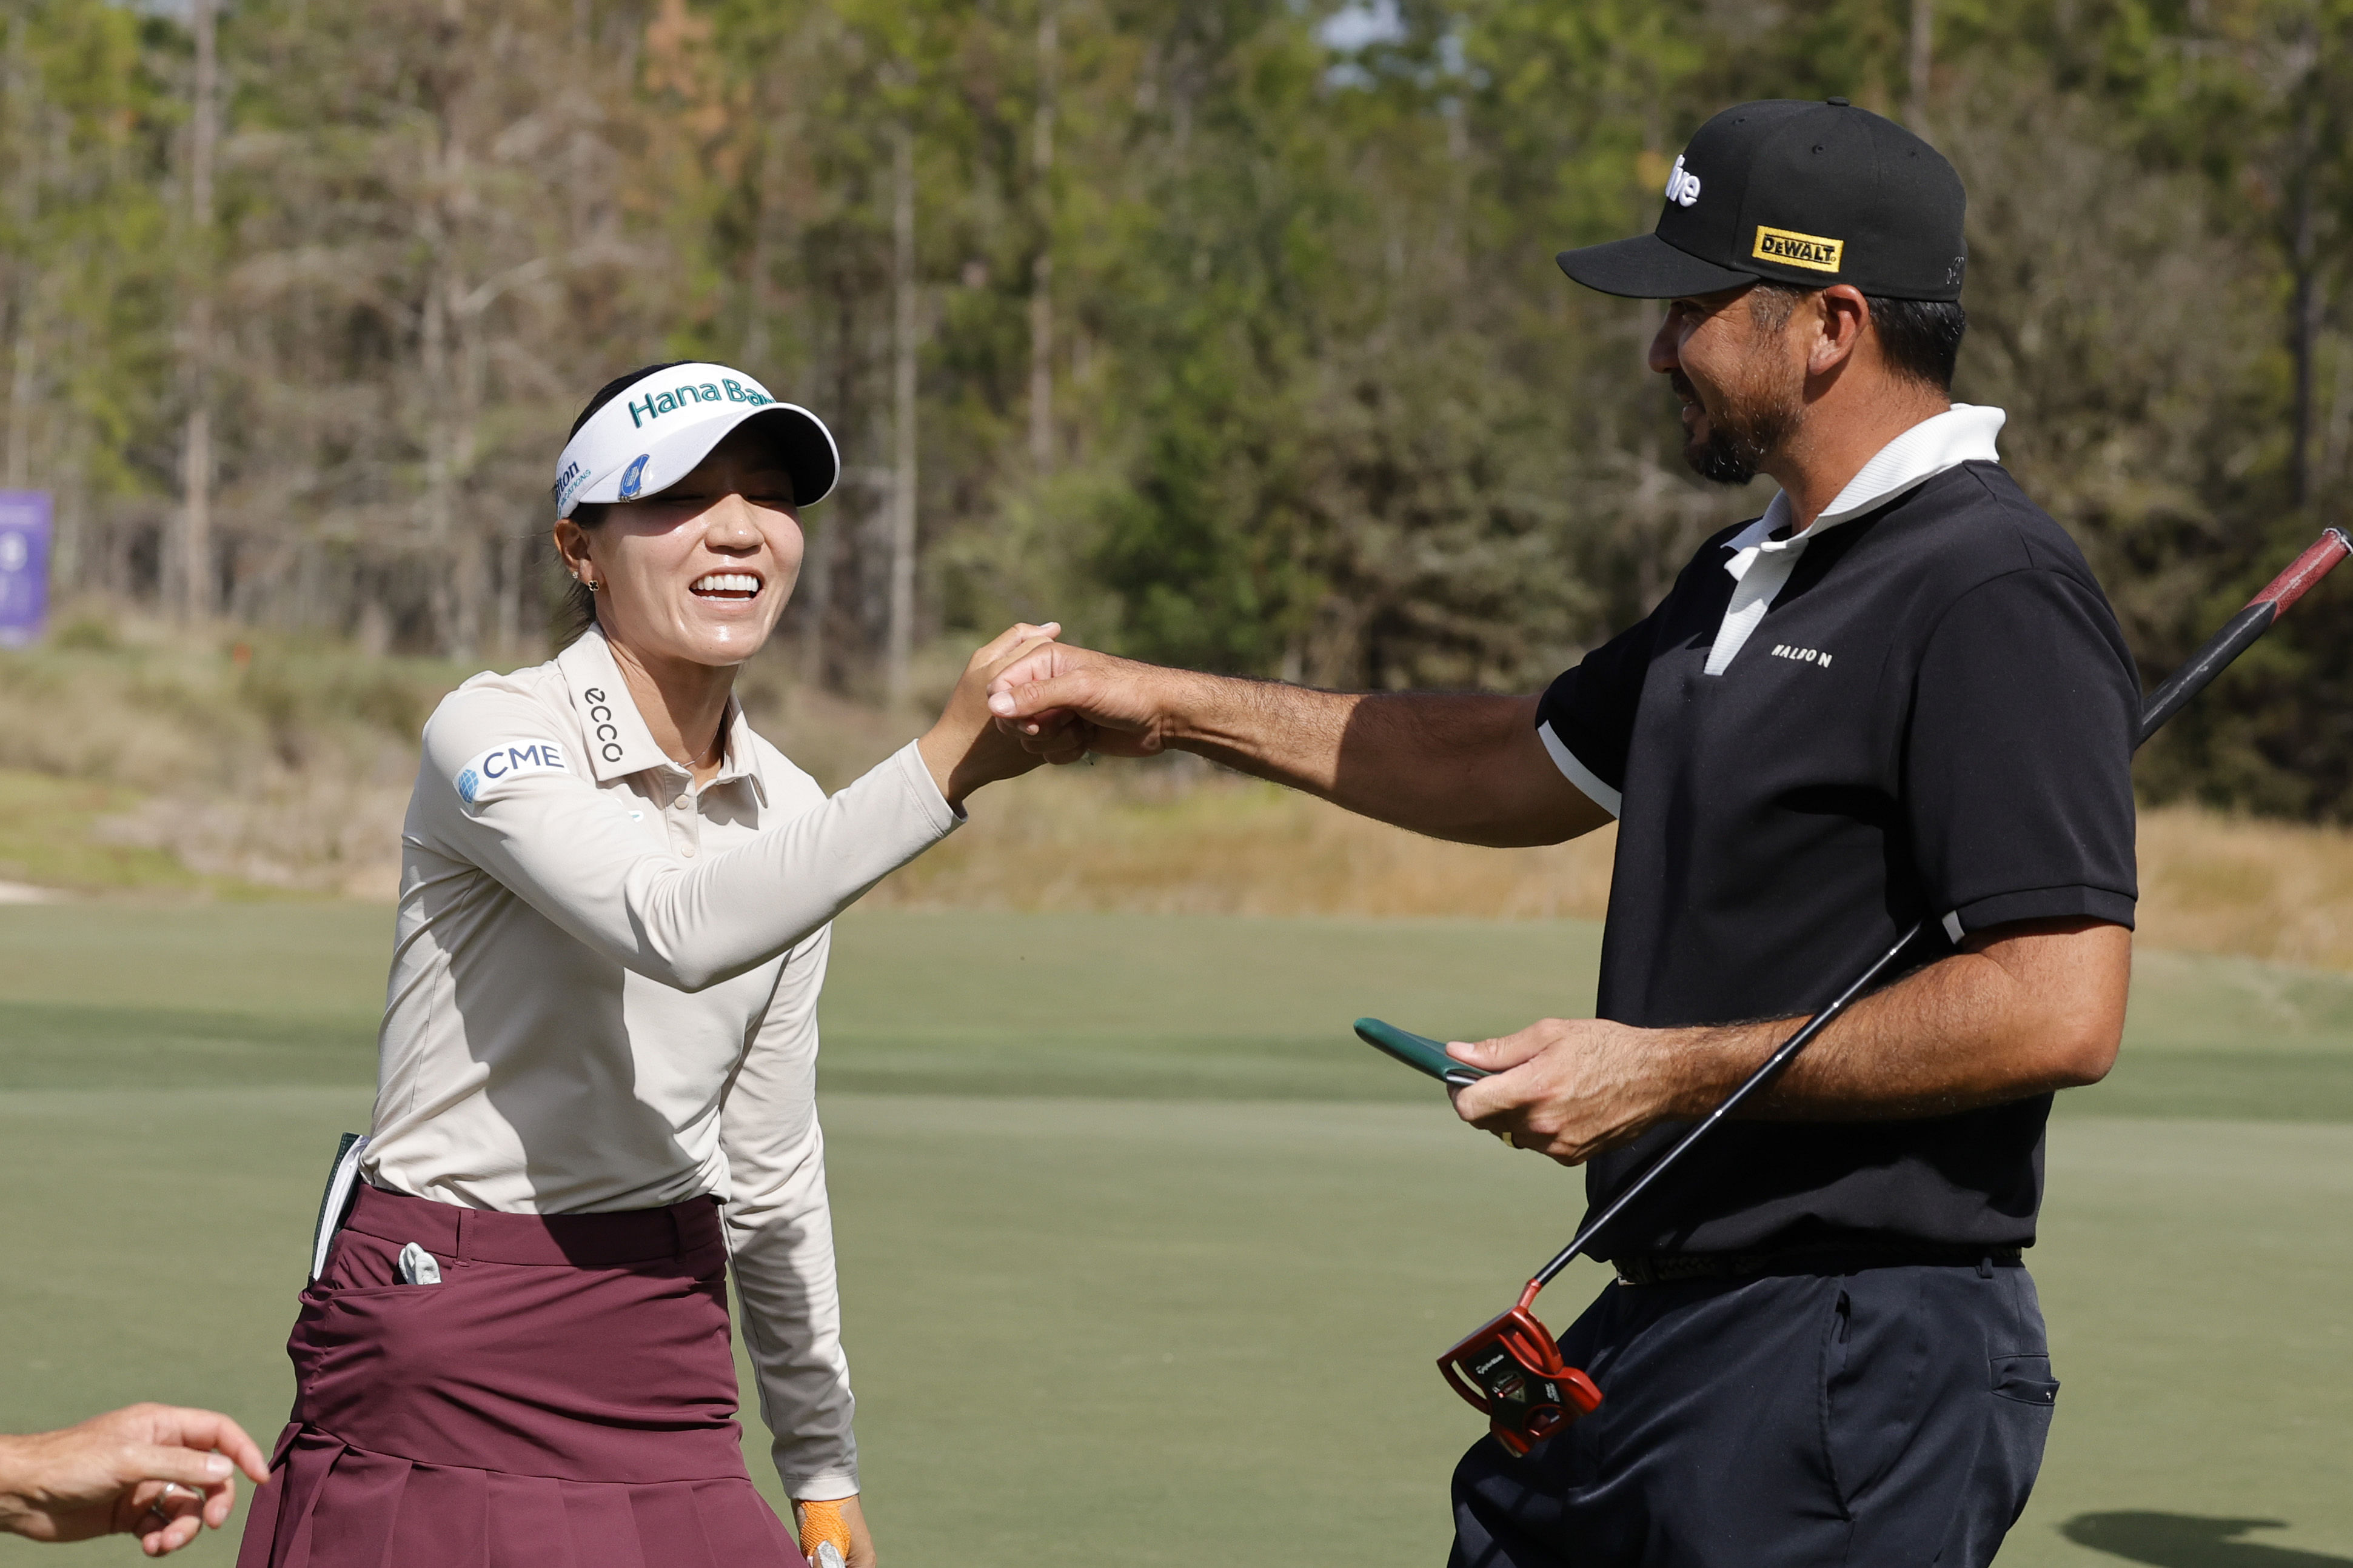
(1898, 693)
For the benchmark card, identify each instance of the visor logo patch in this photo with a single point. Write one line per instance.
(1810, 251)
(633, 478)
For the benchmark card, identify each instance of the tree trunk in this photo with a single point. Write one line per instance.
(825, 550)
(512, 556)
(900, 635)
(447, 360)
(24, 274)
(474, 541)
(195, 550)
(433, 360)
(1920, 58)
(1041, 269)
(2304, 298)
(196, 516)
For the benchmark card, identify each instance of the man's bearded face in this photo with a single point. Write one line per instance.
(1754, 394)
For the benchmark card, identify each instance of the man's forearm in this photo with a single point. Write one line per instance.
(1267, 728)
(2038, 1008)
(1453, 766)
(1981, 1027)
(1463, 766)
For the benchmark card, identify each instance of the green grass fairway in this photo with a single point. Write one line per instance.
(1146, 1260)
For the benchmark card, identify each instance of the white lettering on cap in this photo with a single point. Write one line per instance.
(481, 779)
(1682, 185)
(691, 393)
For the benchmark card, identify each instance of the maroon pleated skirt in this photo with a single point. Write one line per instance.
(565, 1398)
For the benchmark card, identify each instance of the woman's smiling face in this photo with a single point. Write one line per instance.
(700, 573)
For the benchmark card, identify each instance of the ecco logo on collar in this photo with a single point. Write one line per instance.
(1802, 655)
(600, 719)
(1682, 185)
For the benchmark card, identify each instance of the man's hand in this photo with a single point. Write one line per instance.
(1569, 1088)
(154, 1472)
(1067, 701)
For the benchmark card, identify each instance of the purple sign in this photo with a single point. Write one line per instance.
(24, 566)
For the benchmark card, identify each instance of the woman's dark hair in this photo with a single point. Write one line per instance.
(1921, 338)
(578, 611)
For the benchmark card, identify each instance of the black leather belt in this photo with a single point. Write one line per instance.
(1676, 1268)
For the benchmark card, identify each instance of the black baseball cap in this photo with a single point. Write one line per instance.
(1802, 193)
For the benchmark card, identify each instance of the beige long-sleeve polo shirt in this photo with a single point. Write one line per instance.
(604, 993)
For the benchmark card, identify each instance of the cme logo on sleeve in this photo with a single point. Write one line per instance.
(507, 760)
(1810, 251)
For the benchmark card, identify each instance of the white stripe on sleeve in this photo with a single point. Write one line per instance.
(1577, 773)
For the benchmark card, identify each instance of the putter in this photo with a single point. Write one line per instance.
(1511, 1371)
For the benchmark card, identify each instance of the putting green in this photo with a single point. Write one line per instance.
(1144, 1260)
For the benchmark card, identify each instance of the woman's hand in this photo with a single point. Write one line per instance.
(968, 748)
(834, 1521)
(154, 1472)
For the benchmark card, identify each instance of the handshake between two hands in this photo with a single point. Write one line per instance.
(1027, 699)
(1060, 703)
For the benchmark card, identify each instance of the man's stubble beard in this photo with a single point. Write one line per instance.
(1755, 420)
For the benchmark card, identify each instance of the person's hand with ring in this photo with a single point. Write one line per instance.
(158, 1472)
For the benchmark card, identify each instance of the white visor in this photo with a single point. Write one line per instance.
(653, 432)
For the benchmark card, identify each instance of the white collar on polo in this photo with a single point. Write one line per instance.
(1761, 565)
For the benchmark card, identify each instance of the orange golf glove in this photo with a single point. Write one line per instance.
(822, 1525)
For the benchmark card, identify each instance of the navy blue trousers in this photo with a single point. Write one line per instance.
(1886, 1418)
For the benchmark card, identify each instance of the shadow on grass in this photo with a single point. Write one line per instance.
(2187, 1540)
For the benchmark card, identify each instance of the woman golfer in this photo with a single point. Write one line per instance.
(597, 1082)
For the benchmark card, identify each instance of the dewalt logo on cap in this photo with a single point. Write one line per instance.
(1810, 251)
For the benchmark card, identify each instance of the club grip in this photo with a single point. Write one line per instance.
(2304, 571)
(1419, 1052)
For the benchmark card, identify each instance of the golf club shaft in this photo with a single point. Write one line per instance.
(2241, 630)
(2238, 635)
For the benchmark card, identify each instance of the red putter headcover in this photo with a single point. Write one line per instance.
(1511, 1372)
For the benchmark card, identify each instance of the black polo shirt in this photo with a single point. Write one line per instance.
(1935, 718)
